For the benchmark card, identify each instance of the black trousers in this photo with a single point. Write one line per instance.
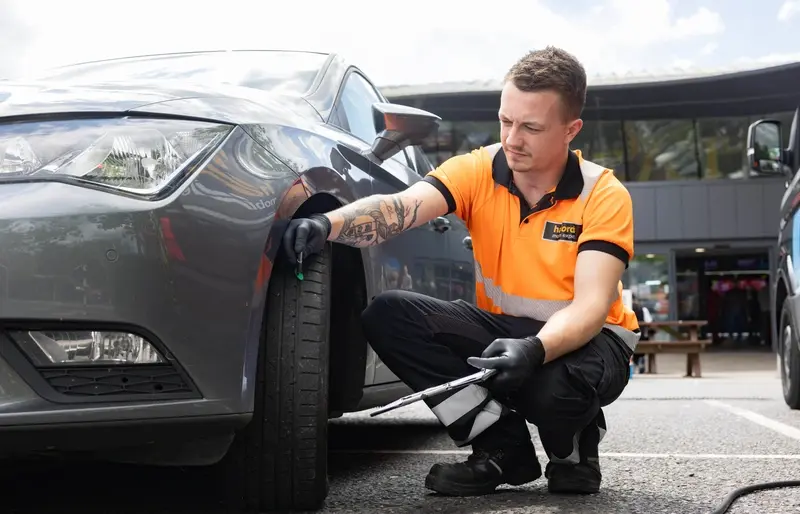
(426, 341)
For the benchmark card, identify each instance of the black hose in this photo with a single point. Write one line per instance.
(738, 493)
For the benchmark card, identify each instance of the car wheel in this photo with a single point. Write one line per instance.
(789, 360)
(282, 455)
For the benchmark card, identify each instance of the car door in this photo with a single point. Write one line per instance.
(417, 260)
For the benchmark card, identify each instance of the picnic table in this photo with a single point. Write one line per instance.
(685, 339)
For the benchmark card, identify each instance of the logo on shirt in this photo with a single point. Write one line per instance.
(554, 231)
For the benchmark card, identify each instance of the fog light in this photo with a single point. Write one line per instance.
(51, 348)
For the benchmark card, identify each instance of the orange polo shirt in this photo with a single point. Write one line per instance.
(525, 257)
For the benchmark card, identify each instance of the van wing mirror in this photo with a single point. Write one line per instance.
(765, 156)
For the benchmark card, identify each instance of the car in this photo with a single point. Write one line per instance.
(766, 156)
(148, 313)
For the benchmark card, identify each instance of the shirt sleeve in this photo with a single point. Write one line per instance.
(608, 221)
(461, 179)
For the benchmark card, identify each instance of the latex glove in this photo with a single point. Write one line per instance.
(515, 360)
(306, 235)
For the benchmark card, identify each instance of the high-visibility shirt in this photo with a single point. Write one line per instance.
(525, 256)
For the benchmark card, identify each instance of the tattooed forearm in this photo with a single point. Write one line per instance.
(373, 220)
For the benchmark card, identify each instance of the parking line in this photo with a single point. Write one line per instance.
(777, 426)
(693, 456)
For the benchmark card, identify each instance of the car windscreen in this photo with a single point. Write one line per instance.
(275, 71)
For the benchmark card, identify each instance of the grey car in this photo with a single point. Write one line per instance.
(148, 314)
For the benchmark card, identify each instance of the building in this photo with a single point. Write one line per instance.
(705, 226)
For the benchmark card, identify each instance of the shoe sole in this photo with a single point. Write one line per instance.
(447, 488)
(572, 487)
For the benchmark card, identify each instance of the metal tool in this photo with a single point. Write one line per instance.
(298, 270)
(433, 391)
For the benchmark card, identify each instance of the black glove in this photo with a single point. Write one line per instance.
(514, 359)
(306, 235)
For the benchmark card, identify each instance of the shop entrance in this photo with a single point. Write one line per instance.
(731, 292)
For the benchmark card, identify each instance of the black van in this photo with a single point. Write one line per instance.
(766, 157)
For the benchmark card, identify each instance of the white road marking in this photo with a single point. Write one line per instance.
(777, 426)
(695, 456)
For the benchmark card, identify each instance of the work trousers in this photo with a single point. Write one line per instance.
(426, 341)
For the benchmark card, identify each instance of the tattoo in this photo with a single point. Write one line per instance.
(373, 221)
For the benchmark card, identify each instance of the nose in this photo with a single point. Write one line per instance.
(512, 137)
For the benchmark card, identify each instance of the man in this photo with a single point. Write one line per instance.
(552, 234)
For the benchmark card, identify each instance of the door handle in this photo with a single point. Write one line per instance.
(440, 224)
(467, 242)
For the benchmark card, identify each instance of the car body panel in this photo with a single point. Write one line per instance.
(204, 251)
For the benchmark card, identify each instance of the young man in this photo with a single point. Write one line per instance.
(552, 234)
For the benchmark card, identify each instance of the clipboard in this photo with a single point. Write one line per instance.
(475, 378)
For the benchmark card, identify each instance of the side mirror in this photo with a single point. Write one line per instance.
(764, 153)
(399, 126)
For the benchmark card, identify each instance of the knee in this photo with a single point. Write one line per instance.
(556, 400)
(383, 313)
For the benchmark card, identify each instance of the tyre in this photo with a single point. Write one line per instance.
(280, 460)
(789, 359)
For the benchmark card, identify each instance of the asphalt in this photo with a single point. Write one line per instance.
(675, 445)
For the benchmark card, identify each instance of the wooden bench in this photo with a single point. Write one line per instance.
(692, 349)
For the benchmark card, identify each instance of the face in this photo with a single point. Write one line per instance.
(533, 129)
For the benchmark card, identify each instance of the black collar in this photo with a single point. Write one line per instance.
(568, 188)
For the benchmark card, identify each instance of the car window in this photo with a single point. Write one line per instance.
(354, 112)
(355, 107)
(422, 164)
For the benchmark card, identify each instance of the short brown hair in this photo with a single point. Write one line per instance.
(552, 69)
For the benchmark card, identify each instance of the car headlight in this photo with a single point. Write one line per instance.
(132, 154)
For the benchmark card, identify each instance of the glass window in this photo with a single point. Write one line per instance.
(647, 277)
(722, 142)
(420, 162)
(470, 135)
(355, 108)
(438, 147)
(601, 142)
(786, 123)
(661, 150)
(276, 71)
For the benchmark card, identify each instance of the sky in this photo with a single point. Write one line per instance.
(412, 41)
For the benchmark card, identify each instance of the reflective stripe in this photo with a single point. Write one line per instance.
(572, 458)
(540, 310)
(487, 417)
(515, 305)
(630, 338)
(591, 173)
(460, 403)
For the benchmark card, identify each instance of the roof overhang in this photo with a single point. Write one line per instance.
(739, 93)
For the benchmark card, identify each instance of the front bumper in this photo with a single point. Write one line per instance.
(188, 271)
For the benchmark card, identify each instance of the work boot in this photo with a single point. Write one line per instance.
(583, 477)
(485, 470)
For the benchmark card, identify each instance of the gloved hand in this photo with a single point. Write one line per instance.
(515, 360)
(306, 235)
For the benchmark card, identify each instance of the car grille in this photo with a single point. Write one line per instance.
(116, 381)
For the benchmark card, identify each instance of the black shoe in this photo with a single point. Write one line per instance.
(583, 478)
(485, 470)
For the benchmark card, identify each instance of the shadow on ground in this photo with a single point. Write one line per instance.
(59, 485)
(363, 482)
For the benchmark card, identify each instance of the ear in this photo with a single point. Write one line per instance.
(573, 129)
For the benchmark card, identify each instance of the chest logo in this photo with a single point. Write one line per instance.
(564, 231)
